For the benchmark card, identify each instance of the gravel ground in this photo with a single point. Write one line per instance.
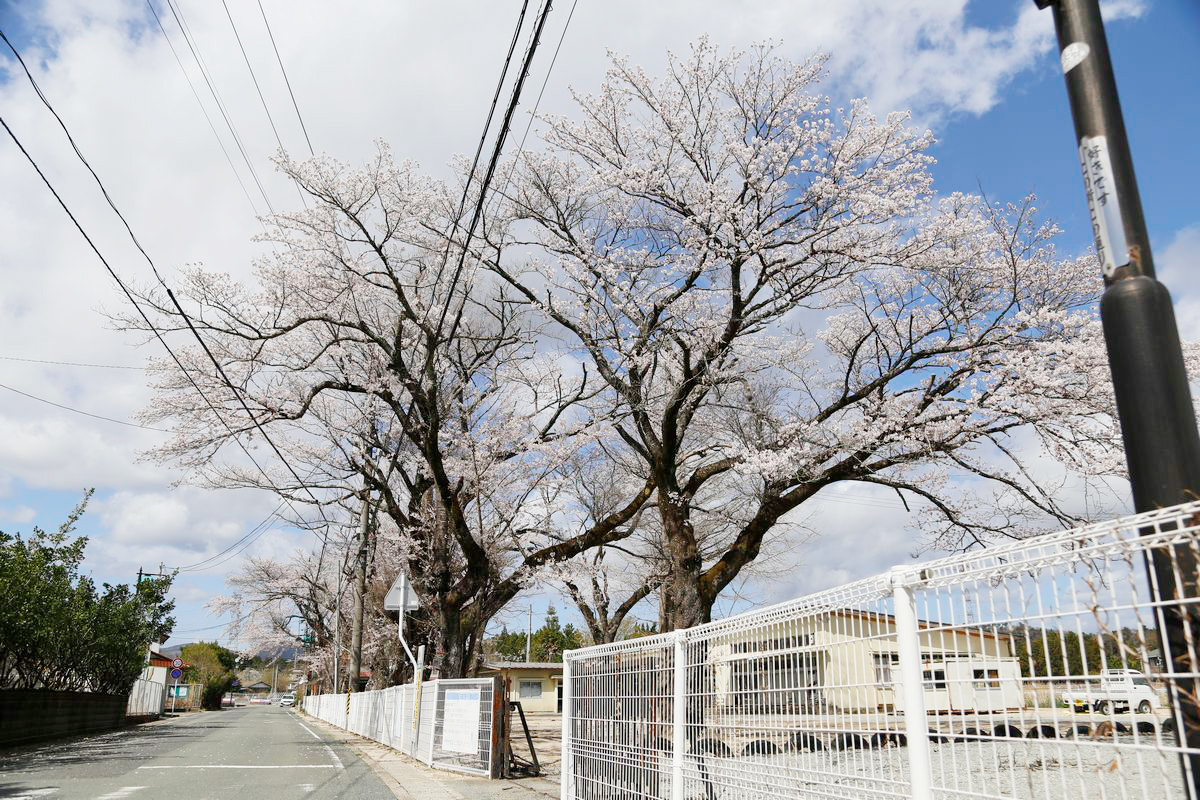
(1021, 769)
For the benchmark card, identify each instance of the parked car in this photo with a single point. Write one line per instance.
(1118, 691)
(288, 699)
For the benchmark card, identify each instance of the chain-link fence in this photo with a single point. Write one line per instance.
(451, 724)
(1030, 670)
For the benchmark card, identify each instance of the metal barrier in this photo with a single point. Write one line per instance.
(453, 727)
(146, 698)
(1029, 670)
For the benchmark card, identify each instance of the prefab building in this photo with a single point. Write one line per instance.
(847, 660)
(537, 685)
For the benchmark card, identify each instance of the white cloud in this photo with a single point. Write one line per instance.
(18, 515)
(1176, 265)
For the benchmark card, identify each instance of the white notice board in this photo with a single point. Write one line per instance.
(460, 728)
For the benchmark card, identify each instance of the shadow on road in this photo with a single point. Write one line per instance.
(127, 744)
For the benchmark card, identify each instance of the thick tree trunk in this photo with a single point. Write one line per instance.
(689, 606)
(453, 655)
(360, 594)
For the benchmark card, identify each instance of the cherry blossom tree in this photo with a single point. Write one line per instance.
(386, 370)
(776, 301)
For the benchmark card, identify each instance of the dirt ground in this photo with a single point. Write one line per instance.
(546, 730)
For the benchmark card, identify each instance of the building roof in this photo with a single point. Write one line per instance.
(523, 665)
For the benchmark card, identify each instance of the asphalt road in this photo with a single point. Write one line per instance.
(253, 753)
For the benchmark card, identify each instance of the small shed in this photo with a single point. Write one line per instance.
(536, 684)
(258, 687)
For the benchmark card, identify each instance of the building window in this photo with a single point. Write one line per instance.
(883, 668)
(987, 679)
(531, 689)
(935, 678)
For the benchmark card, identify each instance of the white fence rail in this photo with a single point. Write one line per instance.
(452, 725)
(146, 698)
(1029, 670)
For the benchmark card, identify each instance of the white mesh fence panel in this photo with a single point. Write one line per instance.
(450, 728)
(145, 698)
(1029, 670)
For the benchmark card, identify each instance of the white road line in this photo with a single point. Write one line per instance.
(32, 793)
(310, 730)
(246, 766)
(124, 791)
(337, 761)
(307, 787)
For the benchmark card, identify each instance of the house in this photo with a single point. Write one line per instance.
(847, 660)
(536, 684)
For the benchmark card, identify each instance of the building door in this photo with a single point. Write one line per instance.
(559, 705)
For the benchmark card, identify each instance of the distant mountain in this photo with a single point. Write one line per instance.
(283, 654)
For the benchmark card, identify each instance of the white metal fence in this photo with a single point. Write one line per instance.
(1029, 670)
(452, 725)
(146, 698)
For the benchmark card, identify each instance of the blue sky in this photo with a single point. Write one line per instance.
(146, 137)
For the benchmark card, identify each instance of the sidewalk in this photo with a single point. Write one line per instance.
(411, 780)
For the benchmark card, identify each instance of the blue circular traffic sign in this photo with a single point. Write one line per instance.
(177, 673)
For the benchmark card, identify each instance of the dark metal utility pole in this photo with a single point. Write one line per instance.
(1158, 423)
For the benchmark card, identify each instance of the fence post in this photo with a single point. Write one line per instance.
(679, 724)
(912, 686)
(567, 788)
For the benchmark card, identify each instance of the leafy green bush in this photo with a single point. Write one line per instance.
(210, 665)
(214, 689)
(58, 631)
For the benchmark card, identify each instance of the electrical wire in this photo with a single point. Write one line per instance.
(214, 627)
(491, 170)
(253, 77)
(487, 125)
(203, 110)
(68, 363)
(152, 328)
(291, 94)
(244, 542)
(79, 411)
(533, 113)
(194, 47)
(178, 307)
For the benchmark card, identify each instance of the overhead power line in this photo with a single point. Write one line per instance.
(203, 110)
(496, 151)
(80, 411)
(68, 363)
(253, 77)
(178, 307)
(537, 103)
(487, 125)
(291, 94)
(150, 325)
(250, 538)
(194, 47)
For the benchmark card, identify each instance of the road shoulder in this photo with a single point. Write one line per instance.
(411, 780)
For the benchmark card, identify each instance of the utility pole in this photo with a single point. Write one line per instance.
(1158, 422)
(529, 635)
(360, 585)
